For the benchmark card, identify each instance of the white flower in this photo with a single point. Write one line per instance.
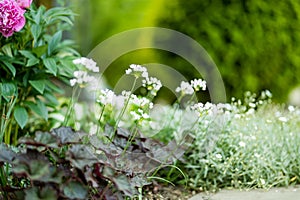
(242, 144)
(137, 71)
(291, 108)
(218, 156)
(88, 63)
(140, 102)
(93, 129)
(201, 108)
(106, 97)
(185, 88)
(266, 94)
(252, 105)
(198, 84)
(73, 82)
(139, 114)
(283, 119)
(152, 84)
(82, 78)
(262, 181)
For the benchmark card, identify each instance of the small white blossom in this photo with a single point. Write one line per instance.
(139, 114)
(242, 144)
(137, 71)
(73, 82)
(198, 84)
(140, 102)
(152, 84)
(82, 78)
(283, 119)
(262, 181)
(218, 156)
(252, 105)
(266, 94)
(88, 63)
(185, 88)
(106, 97)
(201, 108)
(291, 108)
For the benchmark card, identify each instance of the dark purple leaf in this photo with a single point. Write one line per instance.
(6, 154)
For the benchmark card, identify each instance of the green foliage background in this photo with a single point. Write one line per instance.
(255, 44)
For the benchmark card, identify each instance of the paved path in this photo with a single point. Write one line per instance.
(291, 193)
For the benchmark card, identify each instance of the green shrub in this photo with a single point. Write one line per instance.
(255, 44)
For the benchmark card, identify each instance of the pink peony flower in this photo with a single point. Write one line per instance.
(11, 17)
(24, 3)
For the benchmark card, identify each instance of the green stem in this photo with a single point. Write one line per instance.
(8, 134)
(15, 139)
(124, 108)
(99, 120)
(3, 181)
(129, 142)
(6, 118)
(74, 98)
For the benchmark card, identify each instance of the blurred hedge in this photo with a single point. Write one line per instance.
(255, 44)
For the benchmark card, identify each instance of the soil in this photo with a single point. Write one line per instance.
(159, 192)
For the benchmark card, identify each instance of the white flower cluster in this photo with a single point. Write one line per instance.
(185, 88)
(90, 64)
(82, 77)
(139, 107)
(137, 70)
(201, 108)
(198, 84)
(139, 115)
(152, 84)
(141, 102)
(106, 97)
(190, 88)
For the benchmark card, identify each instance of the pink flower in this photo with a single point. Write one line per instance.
(24, 3)
(11, 17)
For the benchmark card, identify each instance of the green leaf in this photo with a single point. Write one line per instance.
(27, 54)
(43, 109)
(7, 50)
(38, 17)
(40, 50)
(54, 88)
(11, 68)
(51, 99)
(21, 116)
(75, 190)
(39, 85)
(50, 64)
(8, 90)
(36, 31)
(32, 62)
(39, 108)
(55, 40)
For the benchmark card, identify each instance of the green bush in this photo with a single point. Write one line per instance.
(255, 44)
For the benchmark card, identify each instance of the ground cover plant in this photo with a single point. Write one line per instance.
(246, 144)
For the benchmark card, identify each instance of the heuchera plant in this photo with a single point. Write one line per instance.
(32, 54)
